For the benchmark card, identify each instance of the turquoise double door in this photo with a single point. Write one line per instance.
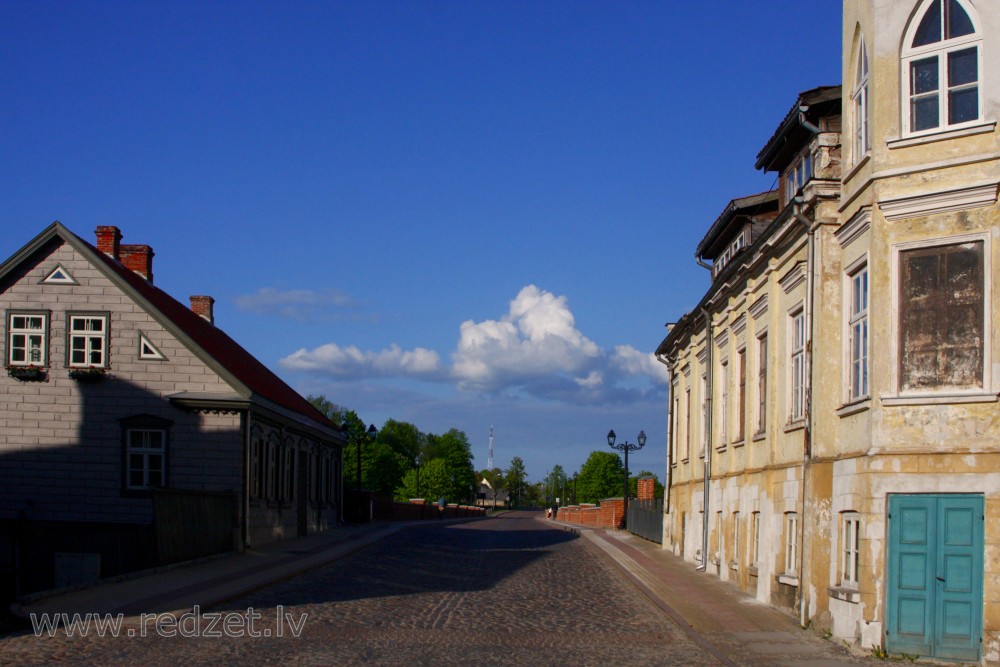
(935, 576)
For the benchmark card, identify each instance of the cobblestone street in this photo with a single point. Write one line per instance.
(509, 591)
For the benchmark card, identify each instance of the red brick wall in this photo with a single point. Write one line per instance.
(647, 488)
(606, 515)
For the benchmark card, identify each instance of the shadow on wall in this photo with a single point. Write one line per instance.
(67, 512)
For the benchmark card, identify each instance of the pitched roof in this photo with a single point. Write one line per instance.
(251, 379)
(749, 205)
(790, 136)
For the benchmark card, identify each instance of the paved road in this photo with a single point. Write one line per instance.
(509, 591)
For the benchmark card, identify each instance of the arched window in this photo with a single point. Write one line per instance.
(941, 67)
(859, 98)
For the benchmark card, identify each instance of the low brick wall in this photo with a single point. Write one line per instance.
(606, 515)
(364, 506)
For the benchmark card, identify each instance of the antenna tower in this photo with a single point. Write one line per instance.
(489, 462)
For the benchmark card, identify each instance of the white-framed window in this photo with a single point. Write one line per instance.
(687, 423)
(850, 548)
(87, 340)
(27, 338)
(146, 457)
(704, 415)
(146, 441)
(741, 405)
(797, 366)
(859, 102)
(675, 436)
(941, 66)
(737, 541)
(791, 543)
(797, 174)
(942, 305)
(724, 402)
(857, 323)
(148, 351)
(755, 539)
(762, 382)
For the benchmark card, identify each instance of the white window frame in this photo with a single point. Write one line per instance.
(687, 423)
(762, 351)
(796, 365)
(735, 560)
(859, 103)
(798, 173)
(858, 333)
(850, 548)
(946, 395)
(723, 402)
(87, 337)
(791, 544)
(27, 338)
(144, 452)
(940, 50)
(755, 539)
(675, 435)
(704, 415)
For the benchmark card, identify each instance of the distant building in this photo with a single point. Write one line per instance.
(488, 497)
(134, 430)
(836, 387)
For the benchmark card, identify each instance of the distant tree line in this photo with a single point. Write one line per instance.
(402, 460)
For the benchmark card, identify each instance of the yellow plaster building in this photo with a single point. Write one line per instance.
(834, 394)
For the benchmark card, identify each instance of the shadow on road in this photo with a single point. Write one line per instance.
(422, 558)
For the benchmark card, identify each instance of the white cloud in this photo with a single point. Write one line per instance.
(537, 337)
(349, 361)
(534, 349)
(634, 362)
(301, 305)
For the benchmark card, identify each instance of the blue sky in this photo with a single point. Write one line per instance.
(457, 214)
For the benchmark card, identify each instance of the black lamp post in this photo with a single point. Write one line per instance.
(626, 447)
(372, 432)
(417, 461)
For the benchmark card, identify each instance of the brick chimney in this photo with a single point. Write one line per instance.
(204, 306)
(109, 239)
(138, 258)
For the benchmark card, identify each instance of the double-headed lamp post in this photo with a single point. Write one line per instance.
(626, 447)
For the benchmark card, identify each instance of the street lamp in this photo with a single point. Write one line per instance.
(417, 461)
(372, 432)
(626, 447)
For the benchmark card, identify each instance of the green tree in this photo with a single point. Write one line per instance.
(403, 437)
(601, 476)
(435, 482)
(335, 413)
(516, 483)
(454, 449)
(555, 485)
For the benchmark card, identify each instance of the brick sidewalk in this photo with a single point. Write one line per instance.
(722, 619)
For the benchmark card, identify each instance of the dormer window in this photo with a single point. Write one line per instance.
(799, 171)
(733, 249)
(941, 68)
